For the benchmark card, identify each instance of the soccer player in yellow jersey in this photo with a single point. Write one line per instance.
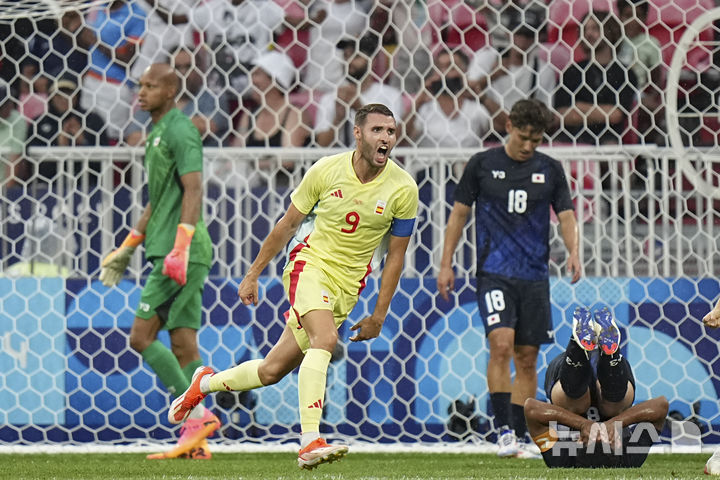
(348, 209)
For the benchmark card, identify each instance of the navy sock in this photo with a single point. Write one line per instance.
(613, 372)
(518, 420)
(500, 402)
(576, 371)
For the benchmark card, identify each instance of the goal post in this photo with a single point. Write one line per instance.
(69, 377)
(11, 10)
(689, 158)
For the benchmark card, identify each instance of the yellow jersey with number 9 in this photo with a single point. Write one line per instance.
(348, 222)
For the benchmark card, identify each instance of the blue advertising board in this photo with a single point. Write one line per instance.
(32, 353)
(80, 373)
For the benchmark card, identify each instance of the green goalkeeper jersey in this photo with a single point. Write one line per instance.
(173, 149)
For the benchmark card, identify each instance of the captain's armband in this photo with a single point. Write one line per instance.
(402, 227)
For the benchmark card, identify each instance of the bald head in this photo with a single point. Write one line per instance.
(159, 86)
(166, 75)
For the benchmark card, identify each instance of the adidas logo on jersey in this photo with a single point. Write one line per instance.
(337, 193)
(316, 404)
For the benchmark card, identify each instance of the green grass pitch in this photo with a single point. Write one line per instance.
(395, 466)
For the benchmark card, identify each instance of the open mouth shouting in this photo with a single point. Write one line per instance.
(381, 155)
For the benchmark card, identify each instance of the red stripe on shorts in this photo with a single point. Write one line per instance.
(294, 278)
(298, 247)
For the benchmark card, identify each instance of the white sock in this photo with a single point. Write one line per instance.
(307, 438)
(198, 412)
(205, 384)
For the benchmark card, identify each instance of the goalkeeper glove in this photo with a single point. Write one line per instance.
(175, 264)
(114, 265)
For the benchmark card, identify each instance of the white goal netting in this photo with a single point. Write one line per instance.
(644, 187)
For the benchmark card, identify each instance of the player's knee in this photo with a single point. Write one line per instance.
(139, 342)
(325, 341)
(526, 365)
(185, 353)
(501, 351)
(270, 374)
(530, 407)
(526, 357)
(183, 343)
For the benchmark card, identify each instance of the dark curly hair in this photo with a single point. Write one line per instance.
(530, 113)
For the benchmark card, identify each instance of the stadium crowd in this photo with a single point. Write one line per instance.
(449, 70)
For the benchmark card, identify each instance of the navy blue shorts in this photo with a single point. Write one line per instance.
(521, 305)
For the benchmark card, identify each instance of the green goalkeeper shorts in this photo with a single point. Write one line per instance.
(175, 305)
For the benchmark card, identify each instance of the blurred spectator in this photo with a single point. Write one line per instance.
(55, 52)
(206, 110)
(445, 114)
(66, 124)
(111, 34)
(14, 48)
(511, 68)
(45, 250)
(237, 32)
(161, 39)
(397, 25)
(596, 94)
(301, 16)
(455, 23)
(343, 19)
(13, 132)
(336, 111)
(507, 14)
(33, 90)
(275, 122)
(642, 53)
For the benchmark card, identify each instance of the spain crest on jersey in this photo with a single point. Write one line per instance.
(380, 207)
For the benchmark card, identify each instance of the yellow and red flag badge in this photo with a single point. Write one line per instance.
(380, 207)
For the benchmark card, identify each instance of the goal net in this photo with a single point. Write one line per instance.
(644, 191)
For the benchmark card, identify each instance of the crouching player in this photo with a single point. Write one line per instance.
(588, 422)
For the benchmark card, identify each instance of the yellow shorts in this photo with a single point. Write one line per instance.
(309, 288)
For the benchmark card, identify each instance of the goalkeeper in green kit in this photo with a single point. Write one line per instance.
(178, 245)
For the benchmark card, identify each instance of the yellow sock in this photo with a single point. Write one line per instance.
(311, 388)
(240, 378)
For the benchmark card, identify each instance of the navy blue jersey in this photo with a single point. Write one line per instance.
(512, 210)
